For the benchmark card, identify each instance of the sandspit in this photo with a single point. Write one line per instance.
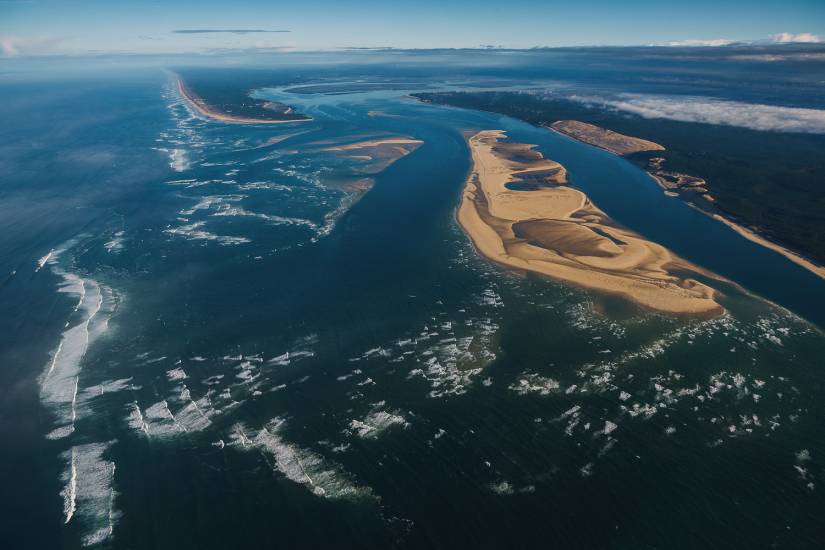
(208, 111)
(519, 212)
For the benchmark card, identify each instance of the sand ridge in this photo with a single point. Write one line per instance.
(519, 212)
(603, 138)
(368, 144)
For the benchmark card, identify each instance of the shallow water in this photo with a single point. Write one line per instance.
(241, 355)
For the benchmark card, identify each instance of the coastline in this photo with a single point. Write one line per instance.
(747, 233)
(755, 237)
(206, 110)
(556, 231)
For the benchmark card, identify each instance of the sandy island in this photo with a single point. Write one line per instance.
(207, 110)
(519, 212)
(672, 183)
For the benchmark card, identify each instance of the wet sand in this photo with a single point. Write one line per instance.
(519, 212)
(378, 154)
(375, 143)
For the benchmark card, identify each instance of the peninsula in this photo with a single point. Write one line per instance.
(261, 112)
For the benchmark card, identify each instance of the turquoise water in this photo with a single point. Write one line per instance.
(223, 350)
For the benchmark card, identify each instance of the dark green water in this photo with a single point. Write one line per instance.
(261, 372)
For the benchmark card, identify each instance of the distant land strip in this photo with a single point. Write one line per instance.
(202, 107)
(621, 145)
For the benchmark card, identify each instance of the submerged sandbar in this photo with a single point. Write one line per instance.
(519, 212)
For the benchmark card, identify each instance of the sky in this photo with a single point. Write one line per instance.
(79, 27)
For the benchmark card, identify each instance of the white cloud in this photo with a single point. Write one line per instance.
(787, 38)
(755, 116)
(706, 42)
(779, 38)
(14, 46)
(771, 58)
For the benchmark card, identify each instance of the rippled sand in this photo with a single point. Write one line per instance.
(519, 212)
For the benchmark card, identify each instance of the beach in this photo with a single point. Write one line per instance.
(555, 230)
(755, 237)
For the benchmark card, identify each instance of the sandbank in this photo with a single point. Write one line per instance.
(519, 212)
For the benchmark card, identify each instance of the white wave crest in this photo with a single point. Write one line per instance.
(88, 493)
(302, 466)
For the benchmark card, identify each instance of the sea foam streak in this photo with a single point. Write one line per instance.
(60, 382)
(298, 464)
(88, 493)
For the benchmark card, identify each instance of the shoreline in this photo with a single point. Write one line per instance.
(206, 110)
(745, 232)
(755, 237)
(556, 231)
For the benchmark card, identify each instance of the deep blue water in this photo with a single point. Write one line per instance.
(268, 366)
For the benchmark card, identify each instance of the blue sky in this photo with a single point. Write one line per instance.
(32, 27)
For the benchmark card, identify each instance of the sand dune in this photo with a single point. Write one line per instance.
(518, 212)
(609, 140)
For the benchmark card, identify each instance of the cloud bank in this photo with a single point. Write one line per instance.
(14, 46)
(789, 38)
(715, 111)
(779, 38)
(710, 43)
(227, 31)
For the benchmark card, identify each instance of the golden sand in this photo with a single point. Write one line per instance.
(208, 111)
(609, 140)
(758, 239)
(552, 229)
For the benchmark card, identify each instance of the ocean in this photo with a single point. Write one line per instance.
(209, 341)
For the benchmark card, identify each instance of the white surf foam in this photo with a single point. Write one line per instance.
(377, 422)
(303, 466)
(59, 385)
(88, 493)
